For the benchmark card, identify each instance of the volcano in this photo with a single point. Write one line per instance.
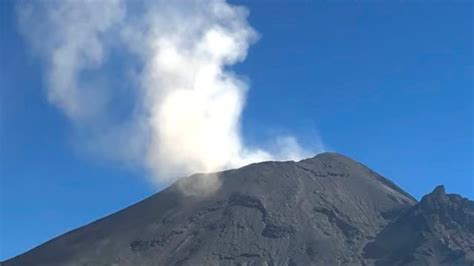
(326, 210)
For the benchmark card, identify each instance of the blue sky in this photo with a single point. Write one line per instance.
(390, 85)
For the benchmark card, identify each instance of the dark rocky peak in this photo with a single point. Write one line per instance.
(447, 213)
(439, 191)
(439, 230)
(436, 198)
(446, 205)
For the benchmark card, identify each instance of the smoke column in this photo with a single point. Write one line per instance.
(187, 102)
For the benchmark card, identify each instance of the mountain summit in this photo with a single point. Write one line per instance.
(326, 210)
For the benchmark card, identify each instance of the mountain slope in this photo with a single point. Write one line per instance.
(327, 210)
(438, 230)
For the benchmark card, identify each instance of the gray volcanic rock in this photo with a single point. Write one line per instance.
(437, 231)
(327, 210)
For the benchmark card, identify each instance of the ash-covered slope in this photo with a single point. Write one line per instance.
(327, 210)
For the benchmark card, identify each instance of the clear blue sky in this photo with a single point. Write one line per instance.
(390, 85)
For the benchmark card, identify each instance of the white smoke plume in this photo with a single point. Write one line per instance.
(187, 102)
(69, 35)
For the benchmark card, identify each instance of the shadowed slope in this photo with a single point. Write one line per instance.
(438, 230)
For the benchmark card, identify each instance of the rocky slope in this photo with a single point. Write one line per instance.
(327, 210)
(438, 230)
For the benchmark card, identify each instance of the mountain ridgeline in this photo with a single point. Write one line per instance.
(326, 210)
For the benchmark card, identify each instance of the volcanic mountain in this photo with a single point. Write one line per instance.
(326, 210)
